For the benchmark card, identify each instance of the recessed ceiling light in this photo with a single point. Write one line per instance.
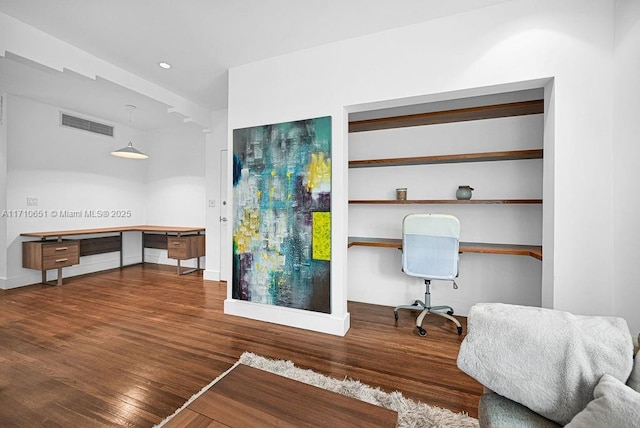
(164, 65)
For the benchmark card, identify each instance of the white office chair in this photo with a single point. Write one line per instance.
(430, 246)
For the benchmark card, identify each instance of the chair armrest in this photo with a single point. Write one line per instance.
(496, 411)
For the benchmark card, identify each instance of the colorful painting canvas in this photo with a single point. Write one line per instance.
(282, 214)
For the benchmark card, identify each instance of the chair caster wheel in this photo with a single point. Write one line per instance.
(459, 331)
(395, 314)
(450, 312)
(422, 332)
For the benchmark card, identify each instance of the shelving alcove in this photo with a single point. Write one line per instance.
(475, 113)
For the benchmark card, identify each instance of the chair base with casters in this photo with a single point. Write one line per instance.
(426, 309)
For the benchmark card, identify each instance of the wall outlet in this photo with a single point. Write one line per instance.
(32, 202)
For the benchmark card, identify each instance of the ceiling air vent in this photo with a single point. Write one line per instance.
(86, 125)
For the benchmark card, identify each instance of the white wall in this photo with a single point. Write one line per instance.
(374, 273)
(3, 188)
(516, 41)
(67, 170)
(626, 296)
(216, 141)
(78, 179)
(71, 170)
(175, 182)
(548, 209)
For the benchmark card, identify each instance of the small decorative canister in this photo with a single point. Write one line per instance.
(401, 193)
(464, 192)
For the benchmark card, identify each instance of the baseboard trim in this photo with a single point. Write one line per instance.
(31, 277)
(307, 320)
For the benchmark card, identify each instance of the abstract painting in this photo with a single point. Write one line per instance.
(282, 214)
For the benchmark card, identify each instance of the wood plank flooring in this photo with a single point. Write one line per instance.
(127, 347)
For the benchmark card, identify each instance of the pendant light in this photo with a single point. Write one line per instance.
(129, 152)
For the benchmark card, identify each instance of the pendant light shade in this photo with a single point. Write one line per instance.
(129, 152)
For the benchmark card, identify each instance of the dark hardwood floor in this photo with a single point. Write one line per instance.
(127, 347)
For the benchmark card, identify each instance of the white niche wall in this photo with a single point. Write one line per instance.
(375, 274)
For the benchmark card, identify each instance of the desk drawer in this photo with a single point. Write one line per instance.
(44, 255)
(65, 248)
(55, 256)
(185, 247)
(177, 248)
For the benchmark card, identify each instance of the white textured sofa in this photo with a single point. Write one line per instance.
(546, 368)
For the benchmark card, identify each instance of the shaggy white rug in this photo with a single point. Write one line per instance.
(410, 413)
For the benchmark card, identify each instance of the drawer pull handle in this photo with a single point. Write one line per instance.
(62, 248)
(177, 243)
(61, 260)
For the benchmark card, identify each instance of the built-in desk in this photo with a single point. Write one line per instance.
(465, 247)
(55, 252)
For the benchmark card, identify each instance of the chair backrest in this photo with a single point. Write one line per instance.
(430, 245)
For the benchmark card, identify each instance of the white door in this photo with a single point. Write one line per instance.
(225, 223)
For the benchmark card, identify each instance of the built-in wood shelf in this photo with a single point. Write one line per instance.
(456, 158)
(458, 115)
(445, 201)
(465, 247)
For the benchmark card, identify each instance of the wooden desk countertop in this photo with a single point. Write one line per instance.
(140, 228)
(465, 247)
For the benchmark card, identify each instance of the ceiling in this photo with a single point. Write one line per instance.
(202, 39)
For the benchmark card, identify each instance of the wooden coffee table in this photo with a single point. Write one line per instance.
(249, 397)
